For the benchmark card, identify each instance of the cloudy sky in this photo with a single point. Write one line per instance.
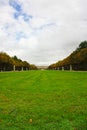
(42, 31)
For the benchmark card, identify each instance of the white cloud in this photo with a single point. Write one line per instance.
(42, 31)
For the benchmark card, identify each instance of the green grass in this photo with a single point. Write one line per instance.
(54, 100)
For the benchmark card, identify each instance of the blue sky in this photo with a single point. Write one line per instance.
(17, 6)
(42, 32)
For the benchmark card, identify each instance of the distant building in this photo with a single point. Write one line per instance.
(42, 67)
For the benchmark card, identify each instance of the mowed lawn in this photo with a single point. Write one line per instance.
(43, 100)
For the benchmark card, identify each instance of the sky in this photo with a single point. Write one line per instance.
(42, 32)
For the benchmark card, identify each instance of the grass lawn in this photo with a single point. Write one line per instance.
(54, 100)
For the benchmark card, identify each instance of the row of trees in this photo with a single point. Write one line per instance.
(8, 63)
(76, 60)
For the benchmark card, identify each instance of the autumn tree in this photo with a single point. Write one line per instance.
(78, 59)
(6, 63)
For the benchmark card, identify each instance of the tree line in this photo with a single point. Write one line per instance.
(77, 60)
(8, 63)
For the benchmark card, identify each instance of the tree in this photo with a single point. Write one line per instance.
(33, 67)
(82, 45)
(78, 59)
(6, 62)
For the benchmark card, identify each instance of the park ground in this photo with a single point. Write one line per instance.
(43, 100)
